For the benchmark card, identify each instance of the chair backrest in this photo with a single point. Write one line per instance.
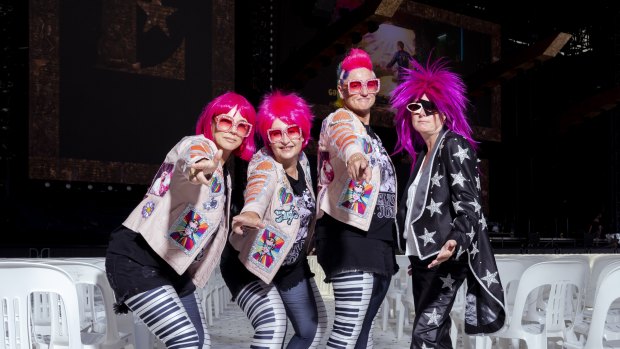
(608, 292)
(88, 274)
(97, 261)
(560, 275)
(19, 281)
(599, 263)
(510, 271)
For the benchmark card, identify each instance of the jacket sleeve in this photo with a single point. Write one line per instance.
(261, 185)
(462, 171)
(340, 133)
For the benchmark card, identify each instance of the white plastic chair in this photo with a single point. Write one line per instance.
(584, 318)
(92, 280)
(598, 263)
(597, 334)
(559, 276)
(20, 281)
(393, 303)
(510, 269)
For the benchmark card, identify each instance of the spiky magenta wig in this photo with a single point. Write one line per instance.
(290, 108)
(355, 58)
(442, 87)
(222, 105)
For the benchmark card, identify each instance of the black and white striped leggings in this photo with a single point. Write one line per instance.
(268, 308)
(177, 322)
(358, 296)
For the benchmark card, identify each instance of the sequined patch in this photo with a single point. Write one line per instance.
(267, 248)
(215, 185)
(161, 183)
(148, 209)
(210, 205)
(356, 197)
(285, 197)
(366, 146)
(188, 230)
(286, 214)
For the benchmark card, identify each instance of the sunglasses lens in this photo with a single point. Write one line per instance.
(427, 105)
(294, 132)
(243, 129)
(372, 86)
(355, 87)
(274, 136)
(414, 107)
(224, 123)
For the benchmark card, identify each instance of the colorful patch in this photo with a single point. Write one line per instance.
(148, 209)
(188, 230)
(286, 215)
(215, 185)
(267, 248)
(161, 183)
(356, 197)
(285, 197)
(366, 146)
(210, 205)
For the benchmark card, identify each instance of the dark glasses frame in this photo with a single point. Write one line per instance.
(233, 125)
(284, 131)
(364, 84)
(428, 106)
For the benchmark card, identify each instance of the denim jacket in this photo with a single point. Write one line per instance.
(269, 194)
(342, 135)
(185, 223)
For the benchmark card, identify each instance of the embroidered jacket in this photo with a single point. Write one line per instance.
(449, 196)
(185, 222)
(342, 135)
(269, 194)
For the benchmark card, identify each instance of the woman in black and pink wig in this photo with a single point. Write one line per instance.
(357, 200)
(442, 228)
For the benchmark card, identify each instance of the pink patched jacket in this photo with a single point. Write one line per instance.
(342, 135)
(183, 222)
(269, 194)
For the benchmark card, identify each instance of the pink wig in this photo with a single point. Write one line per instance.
(289, 108)
(356, 58)
(222, 105)
(442, 87)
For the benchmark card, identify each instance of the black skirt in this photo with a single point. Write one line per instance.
(132, 267)
(237, 276)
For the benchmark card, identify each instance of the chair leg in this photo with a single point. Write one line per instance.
(401, 321)
(385, 311)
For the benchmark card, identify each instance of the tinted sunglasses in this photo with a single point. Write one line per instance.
(225, 123)
(355, 86)
(275, 135)
(428, 106)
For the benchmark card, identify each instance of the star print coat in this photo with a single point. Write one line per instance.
(269, 194)
(185, 223)
(447, 206)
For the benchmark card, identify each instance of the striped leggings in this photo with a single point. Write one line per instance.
(358, 296)
(268, 308)
(177, 322)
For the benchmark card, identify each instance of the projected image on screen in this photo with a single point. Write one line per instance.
(383, 47)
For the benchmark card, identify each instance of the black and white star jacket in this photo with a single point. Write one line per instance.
(448, 206)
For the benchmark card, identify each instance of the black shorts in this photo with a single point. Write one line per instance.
(129, 278)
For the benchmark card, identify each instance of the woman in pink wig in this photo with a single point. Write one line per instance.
(265, 264)
(173, 239)
(441, 224)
